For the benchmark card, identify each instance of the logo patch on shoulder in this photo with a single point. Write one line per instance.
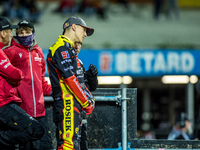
(65, 54)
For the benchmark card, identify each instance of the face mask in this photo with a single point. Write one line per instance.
(26, 40)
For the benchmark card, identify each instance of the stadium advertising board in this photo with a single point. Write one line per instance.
(142, 63)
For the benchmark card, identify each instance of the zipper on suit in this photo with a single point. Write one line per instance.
(33, 89)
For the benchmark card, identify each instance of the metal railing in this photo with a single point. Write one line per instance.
(126, 99)
(120, 96)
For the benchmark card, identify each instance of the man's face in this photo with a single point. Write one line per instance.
(8, 36)
(77, 47)
(80, 33)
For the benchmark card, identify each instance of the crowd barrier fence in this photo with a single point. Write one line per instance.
(114, 121)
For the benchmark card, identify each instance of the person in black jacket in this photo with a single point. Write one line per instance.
(91, 82)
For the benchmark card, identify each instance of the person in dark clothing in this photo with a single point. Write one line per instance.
(91, 82)
(181, 127)
(22, 9)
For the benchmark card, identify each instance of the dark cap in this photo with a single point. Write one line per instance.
(26, 23)
(78, 21)
(5, 23)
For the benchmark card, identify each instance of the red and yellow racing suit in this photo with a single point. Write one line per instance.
(69, 92)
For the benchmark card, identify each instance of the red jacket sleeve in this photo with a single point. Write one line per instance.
(8, 71)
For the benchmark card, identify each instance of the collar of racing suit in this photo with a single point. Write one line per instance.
(66, 39)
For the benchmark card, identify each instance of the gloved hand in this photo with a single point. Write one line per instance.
(93, 70)
(89, 108)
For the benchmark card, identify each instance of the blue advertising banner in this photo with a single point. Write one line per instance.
(142, 63)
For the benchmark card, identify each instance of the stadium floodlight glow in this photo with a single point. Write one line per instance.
(126, 79)
(114, 80)
(175, 79)
(109, 80)
(193, 79)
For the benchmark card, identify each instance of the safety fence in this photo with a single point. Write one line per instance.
(114, 121)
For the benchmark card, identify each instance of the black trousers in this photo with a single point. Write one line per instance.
(44, 143)
(17, 127)
(84, 140)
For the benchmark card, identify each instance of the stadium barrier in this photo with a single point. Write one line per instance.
(114, 121)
